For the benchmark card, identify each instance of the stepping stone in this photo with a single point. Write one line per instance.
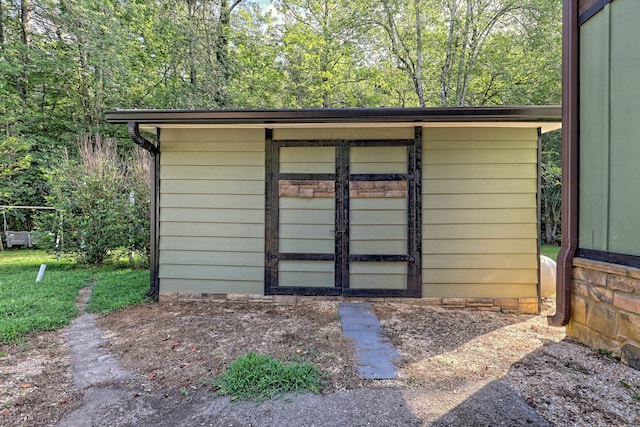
(373, 348)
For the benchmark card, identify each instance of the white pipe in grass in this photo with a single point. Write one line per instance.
(43, 267)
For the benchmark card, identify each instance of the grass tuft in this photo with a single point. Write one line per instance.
(258, 376)
(27, 306)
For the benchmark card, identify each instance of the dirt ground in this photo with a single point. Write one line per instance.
(447, 355)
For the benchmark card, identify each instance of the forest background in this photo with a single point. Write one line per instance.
(63, 63)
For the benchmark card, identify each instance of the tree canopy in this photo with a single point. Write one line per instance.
(63, 63)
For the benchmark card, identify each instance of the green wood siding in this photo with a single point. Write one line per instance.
(212, 211)
(314, 218)
(480, 213)
(609, 129)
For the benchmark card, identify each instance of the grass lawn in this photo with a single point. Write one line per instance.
(27, 306)
(550, 251)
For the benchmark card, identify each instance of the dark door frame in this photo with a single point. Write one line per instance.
(342, 177)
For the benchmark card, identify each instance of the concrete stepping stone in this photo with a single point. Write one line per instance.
(374, 350)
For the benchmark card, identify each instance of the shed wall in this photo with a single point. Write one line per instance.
(479, 210)
(212, 211)
(480, 213)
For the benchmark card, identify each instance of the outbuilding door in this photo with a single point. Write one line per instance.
(343, 217)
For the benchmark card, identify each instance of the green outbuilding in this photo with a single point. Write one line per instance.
(439, 205)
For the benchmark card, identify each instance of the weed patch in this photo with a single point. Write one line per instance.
(258, 376)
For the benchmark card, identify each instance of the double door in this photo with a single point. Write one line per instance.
(343, 217)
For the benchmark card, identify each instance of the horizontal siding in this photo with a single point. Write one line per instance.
(478, 216)
(480, 213)
(378, 275)
(356, 133)
(477, 246)
(471, 156)
(487, 231)
(378, 226)
(208, 158)
(212, 211)
(219, 258)
(479, 186)
(211, 229)
(479, 171)
(480, 261)
(378, 160)
(227, 216)
(307, 159)
(313, 222)
(306, 273)
(480, 201)
(211, 186)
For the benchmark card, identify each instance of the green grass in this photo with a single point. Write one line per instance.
(550, 251)
(257, 376)
(27, 306)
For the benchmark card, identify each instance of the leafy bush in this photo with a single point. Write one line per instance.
(102, 203)
(257, 376)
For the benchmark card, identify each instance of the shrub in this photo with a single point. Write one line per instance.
(102, 200)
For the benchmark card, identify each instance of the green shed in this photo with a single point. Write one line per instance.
(439, 204)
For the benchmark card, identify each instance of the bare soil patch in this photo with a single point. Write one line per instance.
(447, 356)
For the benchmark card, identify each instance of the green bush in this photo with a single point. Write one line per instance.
(257, 376)
(102, 203)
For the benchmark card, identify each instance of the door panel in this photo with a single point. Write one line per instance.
(343, 217)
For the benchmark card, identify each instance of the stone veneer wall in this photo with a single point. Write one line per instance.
(605, 308)
(505, 305)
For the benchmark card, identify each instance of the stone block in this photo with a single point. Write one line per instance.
(168, 297)
(284, 299)
(528, 308)
(431, 301)
(454, 302)
(306, 298)
(184, 296)
(479, 302)
(601, 294)
(628, 302)
(237, 298)
(578, 309)
(626, 284)
(598, 341)
(259, 298)
(578, 331)
(631, 355)
(506, 302)
(629, 326)
(580, 288)
(602, 319)
(592, 277)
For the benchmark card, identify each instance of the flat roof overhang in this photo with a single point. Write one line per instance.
(546, 117)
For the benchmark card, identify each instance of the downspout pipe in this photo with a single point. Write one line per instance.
(570, 147)
(154, 284)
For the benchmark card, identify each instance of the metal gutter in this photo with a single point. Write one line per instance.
(542, 113)
(154, 283)
(570, 87)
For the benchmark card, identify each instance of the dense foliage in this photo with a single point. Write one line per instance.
(63, 63)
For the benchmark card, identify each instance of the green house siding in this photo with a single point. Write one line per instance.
(212, 211)
(479, 218)
(480, 213)
(609, 129)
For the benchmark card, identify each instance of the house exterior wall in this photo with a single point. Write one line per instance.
(605, 302)
(480, 246)
(609, 126)
(212, 211)
(480, 224)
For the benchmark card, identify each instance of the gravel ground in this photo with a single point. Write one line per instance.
(448, 357)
